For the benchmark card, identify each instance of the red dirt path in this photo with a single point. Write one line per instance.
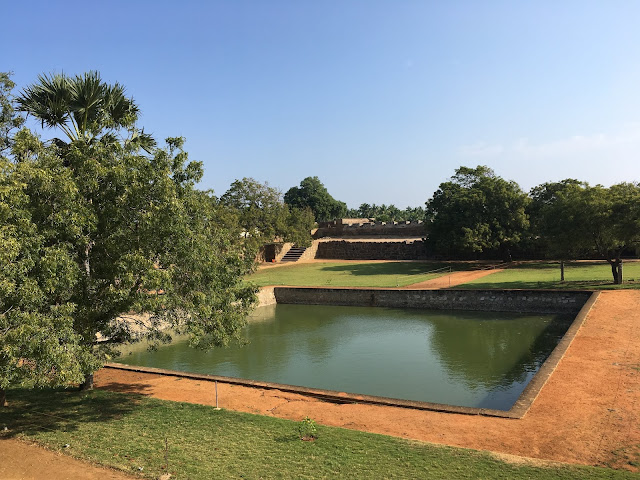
(452, 279)
(588, 412)
(23, 461)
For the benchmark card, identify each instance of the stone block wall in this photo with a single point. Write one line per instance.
(345, 228)
(380, 250)
(273, 252)
(517, 301)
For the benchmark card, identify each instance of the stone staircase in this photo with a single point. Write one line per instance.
(293, 255)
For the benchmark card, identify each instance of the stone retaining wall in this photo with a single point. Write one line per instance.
(266, 296)
(367, 228)
(519, 301)
(345, 250)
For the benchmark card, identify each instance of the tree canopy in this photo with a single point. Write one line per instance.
(557, 215)
(85, 108)
(263, 215)
(387, 213)
(475, 212)
(103, 243)
(313, 194)
(573, 219)
(9, 120)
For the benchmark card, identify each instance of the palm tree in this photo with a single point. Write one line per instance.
(85, 108)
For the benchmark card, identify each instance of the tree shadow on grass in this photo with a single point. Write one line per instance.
(555, 265)
(34, 410)
(388, 268)
(538, 266)
(135, 388)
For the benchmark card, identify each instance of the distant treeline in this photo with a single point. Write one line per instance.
(477, 214)
(386, 213)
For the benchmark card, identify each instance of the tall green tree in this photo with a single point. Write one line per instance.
(264, 216)
(557, 219)
(313, 194)
(39, 345)
(106, 244)
(612, 222)
(573, 219)
(475, 212)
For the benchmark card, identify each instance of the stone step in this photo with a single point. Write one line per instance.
(294, 254)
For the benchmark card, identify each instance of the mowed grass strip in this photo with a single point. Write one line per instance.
(578, 275)
(151, 437)
(349, 274)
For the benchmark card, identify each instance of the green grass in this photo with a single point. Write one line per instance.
(578, 275)
(196, 442)
(348, 274)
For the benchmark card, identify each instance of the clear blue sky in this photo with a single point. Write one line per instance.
(382, 100)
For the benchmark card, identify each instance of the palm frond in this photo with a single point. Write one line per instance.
(87, 99)
(47, 100)
(84, 107)
(139, 140)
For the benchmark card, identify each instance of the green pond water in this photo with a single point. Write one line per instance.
(474, 359)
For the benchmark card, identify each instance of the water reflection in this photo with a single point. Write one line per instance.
(459, 358)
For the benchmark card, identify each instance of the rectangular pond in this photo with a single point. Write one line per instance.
(463, 358)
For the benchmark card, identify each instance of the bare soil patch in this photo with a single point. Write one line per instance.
(588, 411)
(23, 461)
(451, 279)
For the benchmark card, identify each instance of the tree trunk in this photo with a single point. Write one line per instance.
(88, 382)
(616, 270)
(3, 398)
(620, 273)
(562, 270)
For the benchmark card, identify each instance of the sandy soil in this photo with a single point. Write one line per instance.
(588, 412)
(452, 279)
(22, 461)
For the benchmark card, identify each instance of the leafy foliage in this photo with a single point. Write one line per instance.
(476, 212)
(84, 108)
(387, 213)
(102, 244)
(38, 342)
(264, 217)
(572, 219)
(9, 119)
(313, 194)
(557, 213)
(307, 429)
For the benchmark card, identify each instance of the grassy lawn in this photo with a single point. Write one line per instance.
(130, 432)
(578, 275)
(348, 274)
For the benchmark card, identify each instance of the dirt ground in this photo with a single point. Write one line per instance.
(22, 461)
(588, 412)
(452, 279)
